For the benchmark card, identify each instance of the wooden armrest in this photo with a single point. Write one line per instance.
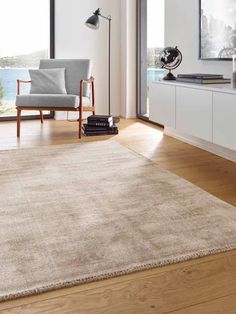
(18, 85)
(23, 81)
(89, 81)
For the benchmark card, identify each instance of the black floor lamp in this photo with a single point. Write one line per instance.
(94, 22)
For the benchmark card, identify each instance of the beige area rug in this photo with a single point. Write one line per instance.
(72, 214)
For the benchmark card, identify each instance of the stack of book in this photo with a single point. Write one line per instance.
(100, 125)
(200, 78)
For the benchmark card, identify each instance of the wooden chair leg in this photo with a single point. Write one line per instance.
(41, 116)
(80, 121)
(93, 98)
(18, 122)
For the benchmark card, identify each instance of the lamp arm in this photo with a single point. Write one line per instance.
(106, 17)
(98, 12)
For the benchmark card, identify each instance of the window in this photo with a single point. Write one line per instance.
(26, 36)
(150, 44)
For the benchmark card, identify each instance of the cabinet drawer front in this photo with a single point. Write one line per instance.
(162, 104)
(194, 112)
(224, 120)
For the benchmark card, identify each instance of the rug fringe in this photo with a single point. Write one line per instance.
(116, 273)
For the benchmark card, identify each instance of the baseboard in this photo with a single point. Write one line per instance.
(210, 147)
(127, 117)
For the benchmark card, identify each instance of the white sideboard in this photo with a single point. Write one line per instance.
(202, 115)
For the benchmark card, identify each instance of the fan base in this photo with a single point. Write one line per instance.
(169, 77)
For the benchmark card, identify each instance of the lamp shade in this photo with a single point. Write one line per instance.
(93, 22)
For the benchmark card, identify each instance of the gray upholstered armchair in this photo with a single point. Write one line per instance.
(78, 84)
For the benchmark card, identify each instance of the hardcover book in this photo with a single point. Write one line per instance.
(88, 127)
(201, 76)
(203, 81)
(100, 132)
(100, 118)
(104, 124)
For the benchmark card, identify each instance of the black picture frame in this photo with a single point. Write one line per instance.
(200, 40)
(52, 56)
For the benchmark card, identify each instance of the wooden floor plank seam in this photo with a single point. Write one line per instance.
(200, 303)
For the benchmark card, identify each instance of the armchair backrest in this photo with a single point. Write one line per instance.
(75, 71)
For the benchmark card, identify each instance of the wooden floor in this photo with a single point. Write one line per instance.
(201, 286)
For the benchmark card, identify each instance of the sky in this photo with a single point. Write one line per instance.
(224, 10)
(155, 23)
(24, 26)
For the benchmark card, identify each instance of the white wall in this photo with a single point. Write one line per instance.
(182, 30)
(74, 40)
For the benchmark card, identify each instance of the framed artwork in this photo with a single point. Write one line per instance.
(217, 29)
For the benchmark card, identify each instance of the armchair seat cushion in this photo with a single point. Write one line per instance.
(50, 100)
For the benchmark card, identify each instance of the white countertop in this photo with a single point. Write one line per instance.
(222, 88)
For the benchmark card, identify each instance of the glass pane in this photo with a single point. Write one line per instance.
(151, 36)
(23, 43)
(155, 38)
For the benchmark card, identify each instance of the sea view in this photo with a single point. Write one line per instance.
(154, 74)
(8, 78)
(8, 81)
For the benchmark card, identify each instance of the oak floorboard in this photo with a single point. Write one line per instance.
(226, 304)
(204, 285)
(113, 281)
(161, 292)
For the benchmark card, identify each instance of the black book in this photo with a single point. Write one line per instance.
(88, 127)
(203, 81)
(100, 132)
(100, 124)
(100, 118)
(201, 76)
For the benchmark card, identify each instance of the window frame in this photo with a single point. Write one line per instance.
(141, 20)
